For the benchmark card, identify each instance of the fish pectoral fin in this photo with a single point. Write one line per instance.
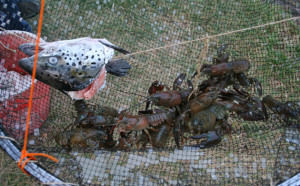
(28, 48)
(110, 45)
(118, 67)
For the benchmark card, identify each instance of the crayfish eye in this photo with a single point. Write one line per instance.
(53, 60)
(195, 122)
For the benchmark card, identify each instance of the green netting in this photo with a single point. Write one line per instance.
(257, 153)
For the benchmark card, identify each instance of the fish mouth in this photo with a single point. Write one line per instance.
(26, 65)
(29, 49)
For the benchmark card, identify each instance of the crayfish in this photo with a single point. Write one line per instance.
(82, 138)
(170, 98)
(235, 69)
(247, 107)
(285, 110)
(91, 128)
(209, 124)
(185, 113)
(148, 123)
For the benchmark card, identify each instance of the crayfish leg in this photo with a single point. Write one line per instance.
(223, 58)
(221, 49)
(149, 136)
(177, 131)
(265, 111)
(80, 105)
(194, 75)
(142, 141)
(258, 87)
(190, 85)
(242, 79)
(148, 104)
(142, 112)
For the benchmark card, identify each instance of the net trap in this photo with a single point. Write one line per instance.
(154, 93)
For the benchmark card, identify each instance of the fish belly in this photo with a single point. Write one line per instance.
(92, 89)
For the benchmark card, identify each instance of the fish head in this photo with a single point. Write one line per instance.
(58, 70)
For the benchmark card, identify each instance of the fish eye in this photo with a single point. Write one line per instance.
(53, 60)
(80, 74)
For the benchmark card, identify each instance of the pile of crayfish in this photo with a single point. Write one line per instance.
(190, 113)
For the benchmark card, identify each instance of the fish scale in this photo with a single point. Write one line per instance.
(83, 50)
(76, 67)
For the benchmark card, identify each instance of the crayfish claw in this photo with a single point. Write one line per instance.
(201, 136)
(221, 49)
(178, 81)
(212, 138)
(156, 86)
(206, 69)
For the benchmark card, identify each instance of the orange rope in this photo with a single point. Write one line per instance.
(25, 156)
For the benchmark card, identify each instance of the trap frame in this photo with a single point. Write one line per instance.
(166, 38)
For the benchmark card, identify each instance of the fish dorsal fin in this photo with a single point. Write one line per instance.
(110, 45)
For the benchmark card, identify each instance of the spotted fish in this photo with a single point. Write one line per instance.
(76, 67)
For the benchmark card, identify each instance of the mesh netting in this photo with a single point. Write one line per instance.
(165, 39)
